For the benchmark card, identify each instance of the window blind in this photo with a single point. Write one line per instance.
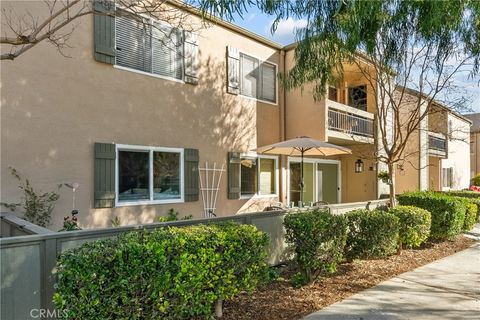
(133, 44)
(149, 47)
(248, 76)
(257, 79)
(167, 51)
(267, 82)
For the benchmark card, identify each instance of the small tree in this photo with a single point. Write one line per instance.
(37, 206)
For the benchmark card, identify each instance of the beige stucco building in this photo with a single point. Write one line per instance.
(131, 119)
(474, 144)
(434, 158)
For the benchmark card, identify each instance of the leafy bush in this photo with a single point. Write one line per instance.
(172, 215)
(414, 225)
(169, 273)
(470, 215)
(318, 238)
(476, 180)
(384, 177)
(448, 213)
(37, 206)
(371, 234)
(463, 194)
(471, 197)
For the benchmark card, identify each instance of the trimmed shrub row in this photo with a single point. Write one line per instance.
(318, 239)
(448, 213)
(169, 273)
(464, 194)
(471, 214)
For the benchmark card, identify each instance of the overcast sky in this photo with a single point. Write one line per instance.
(256, 21)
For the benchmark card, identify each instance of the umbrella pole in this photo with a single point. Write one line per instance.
(301, 182)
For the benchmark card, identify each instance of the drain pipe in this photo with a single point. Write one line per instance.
(283, 131)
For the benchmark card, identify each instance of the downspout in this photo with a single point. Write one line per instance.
(283, 134)
(284, 107)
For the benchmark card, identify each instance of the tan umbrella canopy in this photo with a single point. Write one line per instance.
(303, 146)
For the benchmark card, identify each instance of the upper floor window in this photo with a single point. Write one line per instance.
(257, 78)
(357, 97)
(149, 46)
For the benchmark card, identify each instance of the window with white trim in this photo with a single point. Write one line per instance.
(258, 176)
(149, 46)
(258, 79)
(447, 177)
(149, 174)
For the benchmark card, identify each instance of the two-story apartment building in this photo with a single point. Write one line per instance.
(134, 111)
(434, 158)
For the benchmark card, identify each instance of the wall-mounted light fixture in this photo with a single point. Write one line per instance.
(401, 168)
(359, 166)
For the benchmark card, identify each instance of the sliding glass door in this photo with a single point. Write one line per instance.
(320, 182)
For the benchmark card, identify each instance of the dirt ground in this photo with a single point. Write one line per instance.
(279, 300)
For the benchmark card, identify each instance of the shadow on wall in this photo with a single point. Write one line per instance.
(52, 139)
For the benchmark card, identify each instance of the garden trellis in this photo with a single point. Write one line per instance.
(210, 178)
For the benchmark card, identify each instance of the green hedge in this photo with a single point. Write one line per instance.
(476, 202)
(476, 180)
(414, 225)
(169, 273)
(371, 234)
(318, 239)
(470, 216)
(464, 194)
(448, 213)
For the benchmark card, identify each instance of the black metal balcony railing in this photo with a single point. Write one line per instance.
(436, 143)
(350, 123)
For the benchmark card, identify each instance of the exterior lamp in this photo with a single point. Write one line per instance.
(359, 166)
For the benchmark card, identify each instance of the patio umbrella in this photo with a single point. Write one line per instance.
(303, 146)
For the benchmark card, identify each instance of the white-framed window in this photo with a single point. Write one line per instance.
(148, 175)
(447, 177)
(258, 79)
(149, 46)
(258, 176)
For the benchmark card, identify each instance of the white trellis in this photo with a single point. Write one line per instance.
(209, 185)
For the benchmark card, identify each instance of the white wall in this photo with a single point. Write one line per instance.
(423, 152)
(458, 152)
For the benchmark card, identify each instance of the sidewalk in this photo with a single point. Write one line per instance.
(445, 289)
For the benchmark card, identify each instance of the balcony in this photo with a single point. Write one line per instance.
(349, 125)
(437, 144)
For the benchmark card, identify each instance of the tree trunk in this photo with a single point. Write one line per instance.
(391, 174)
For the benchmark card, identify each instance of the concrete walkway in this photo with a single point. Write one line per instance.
(445, 289)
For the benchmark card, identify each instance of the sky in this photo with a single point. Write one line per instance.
(260, 23)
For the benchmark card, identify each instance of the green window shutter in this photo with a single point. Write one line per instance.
(233, 70)
(190, 174)
(104, 173)
(234, 175)
(191, 57)
(104, 31)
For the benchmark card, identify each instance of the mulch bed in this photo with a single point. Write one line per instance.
(279, 300)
